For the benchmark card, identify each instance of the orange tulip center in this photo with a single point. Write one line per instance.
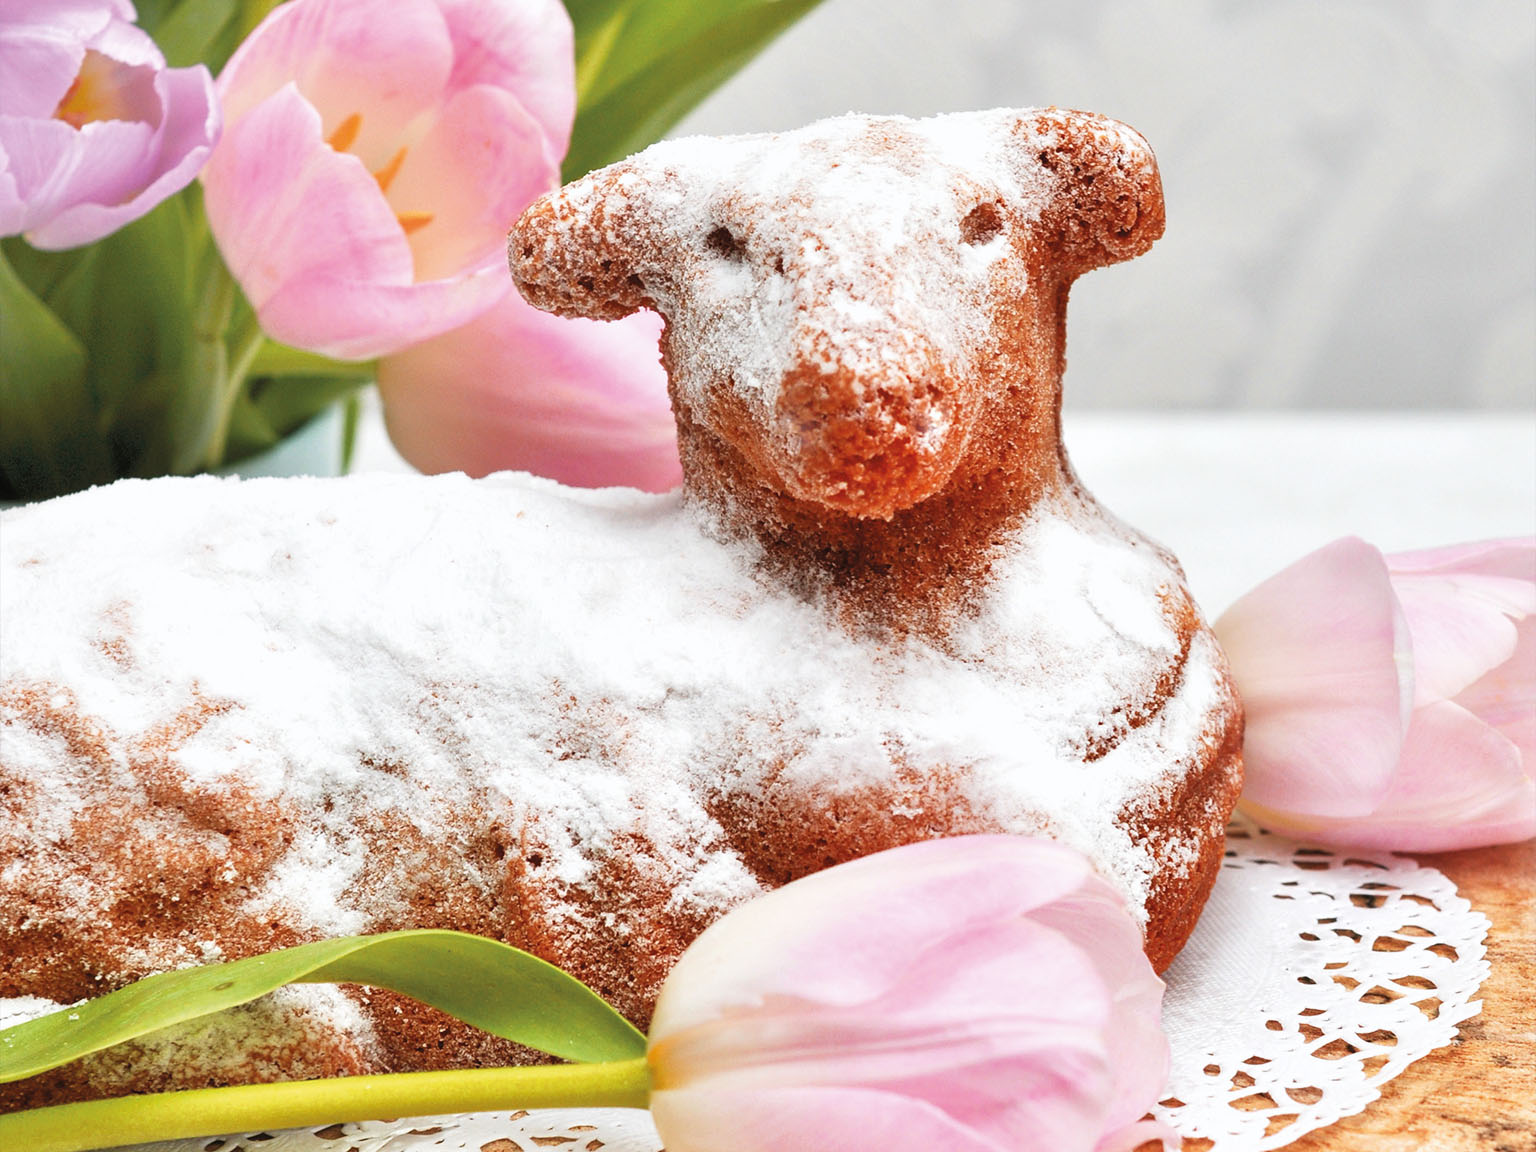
(108, 89)
(342, 139)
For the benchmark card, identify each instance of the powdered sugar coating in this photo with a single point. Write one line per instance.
(592, 661)
(834, 225)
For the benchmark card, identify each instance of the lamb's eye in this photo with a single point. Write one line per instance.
(982, 224)
(722, 243)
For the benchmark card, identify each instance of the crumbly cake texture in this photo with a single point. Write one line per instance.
(242, 715)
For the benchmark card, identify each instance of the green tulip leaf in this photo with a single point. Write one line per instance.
(200, 31)
(130, 303)
(274, 359)
(271, 408)
(482, 982)
(139, 324)
(51, 438)
(642, 65)
(188, 33)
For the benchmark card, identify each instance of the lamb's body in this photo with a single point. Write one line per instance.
(243, 715)
(287, 710)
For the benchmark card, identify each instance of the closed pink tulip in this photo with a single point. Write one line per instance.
(581, 401)
(977, 994)
(376, 152)
(1391, 700)
(95, 130)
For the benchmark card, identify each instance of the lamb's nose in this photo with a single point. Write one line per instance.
(868, 440)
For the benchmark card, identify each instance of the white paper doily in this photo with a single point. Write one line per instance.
(1313, 977)
(563, 1129)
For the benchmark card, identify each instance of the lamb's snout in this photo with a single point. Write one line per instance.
(869, 439)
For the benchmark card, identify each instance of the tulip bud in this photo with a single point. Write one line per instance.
(981, 993)
(1391, 700)
(375, 154)
(95, 130)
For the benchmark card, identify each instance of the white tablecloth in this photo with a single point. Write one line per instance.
(1238, 496)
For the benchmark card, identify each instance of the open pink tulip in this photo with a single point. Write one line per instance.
(976, 994)
(1391, 700)
(376, 152)
(95, 130)
(581, 401)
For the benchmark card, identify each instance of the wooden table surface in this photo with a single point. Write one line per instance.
(1477, 1094)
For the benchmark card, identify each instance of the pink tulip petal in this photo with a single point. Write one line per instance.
(1461, 626)
(41, 156)
(840, 936)
(1460, 784)
(939, 1032)
(1015, 1079)
(830, 1119)
(482, 162)
(110, 161)
(355, 272)
(143, 132)
(1513, 558)
(580, 401)
(932, 1030)
(172, 154)
(42, 43)
(78, 19)
(1317, 652)
(284, 206)
(1093, 918)
(386, 60)
(524, 48)
(1505, 699)
(128, 44)
(355, 320)
(1462, 774)
(13, 211)
(41, 62)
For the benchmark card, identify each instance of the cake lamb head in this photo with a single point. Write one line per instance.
(857, 311)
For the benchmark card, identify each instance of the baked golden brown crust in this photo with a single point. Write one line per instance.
(865, 348)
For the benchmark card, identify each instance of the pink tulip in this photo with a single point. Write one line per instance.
(376, 152)
(978, 994)
(581, 401)
(1391, 701)
(95, 130)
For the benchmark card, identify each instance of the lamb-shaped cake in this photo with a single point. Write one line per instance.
(242, 715)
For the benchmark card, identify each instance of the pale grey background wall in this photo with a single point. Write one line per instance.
(1351, 184)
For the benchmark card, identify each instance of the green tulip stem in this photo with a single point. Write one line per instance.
(211, 354)
(243, 345)
(304, 1103)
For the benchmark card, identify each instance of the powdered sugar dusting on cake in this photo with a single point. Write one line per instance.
(798, 225)
(588, 667)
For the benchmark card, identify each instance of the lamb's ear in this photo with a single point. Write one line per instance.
(1107, 204)
(579, 251)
